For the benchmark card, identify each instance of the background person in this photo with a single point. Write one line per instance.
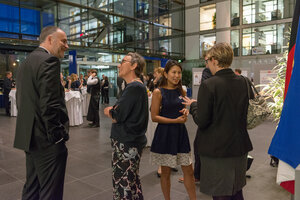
(193, 111)
(75, 83)
(130, 120)
(7, 86)
(106, 90)
(238, 71)
(42, 122)
(222, 137)
(93, 111)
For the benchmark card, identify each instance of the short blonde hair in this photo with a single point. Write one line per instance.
(159, 70)
(223, 53)
(73, 77)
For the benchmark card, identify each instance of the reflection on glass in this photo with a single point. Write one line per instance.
(265, 39)
(206, 42)
(235, 12)
(235, 41)
(255, 11)
(208, 17)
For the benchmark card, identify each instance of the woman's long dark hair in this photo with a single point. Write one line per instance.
(164, 81)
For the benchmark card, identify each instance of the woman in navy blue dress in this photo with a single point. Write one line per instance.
(170, 146)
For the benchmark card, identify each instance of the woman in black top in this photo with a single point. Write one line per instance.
(222, 138)
(75, 83)
(130, 120)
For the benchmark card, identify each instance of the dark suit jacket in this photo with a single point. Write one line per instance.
(42, 115)
(222, 116)
(7, 85)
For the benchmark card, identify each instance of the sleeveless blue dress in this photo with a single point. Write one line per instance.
(170, 139)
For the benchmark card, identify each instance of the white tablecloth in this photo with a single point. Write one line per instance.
(13, 103)
(74, 107)
(151, 126)
(73, 102)
(85, 101)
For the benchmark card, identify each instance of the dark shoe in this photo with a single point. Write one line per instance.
(175, 169)
(158, 174)
(91, 124)
(95, 126)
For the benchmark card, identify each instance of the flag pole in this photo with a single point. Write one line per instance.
(297, 183)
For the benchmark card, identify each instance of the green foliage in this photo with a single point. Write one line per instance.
(275, 89)
(187, 78)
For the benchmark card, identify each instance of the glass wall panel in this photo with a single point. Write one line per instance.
(256, 11)
(208, 17)
(235, 41)
(235, 12)
(203, 1)
(9, 18)
(265, 39)
(206, 42)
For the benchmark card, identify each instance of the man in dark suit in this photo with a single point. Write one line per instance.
(7, 85)
(42, 122)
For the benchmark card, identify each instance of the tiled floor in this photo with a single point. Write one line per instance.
(88, 175)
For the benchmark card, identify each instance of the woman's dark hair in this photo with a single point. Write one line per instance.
(164, 82)
(150, 83)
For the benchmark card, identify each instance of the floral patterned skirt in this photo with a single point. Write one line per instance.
(125, 176)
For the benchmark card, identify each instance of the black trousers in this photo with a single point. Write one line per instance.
(45, 173)
(106, 98)
(93, 111)
(6, 103)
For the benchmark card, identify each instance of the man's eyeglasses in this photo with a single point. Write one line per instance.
(123, 61)
(206, 60)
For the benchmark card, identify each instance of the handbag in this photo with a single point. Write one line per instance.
(258, 109)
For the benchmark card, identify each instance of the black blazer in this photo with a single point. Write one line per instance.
(42, 115)
(222, 116)
(7, 85)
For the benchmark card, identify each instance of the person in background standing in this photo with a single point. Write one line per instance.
(75, 83)
(102, 88)
(238, 71)
(206, 74)
(93, 111)
(42, 126)
(7, 85)
(82, 80)
(121, 86)
(106, 90)
(158, 73)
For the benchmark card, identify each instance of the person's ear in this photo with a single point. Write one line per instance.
(165, 74)
(132, 67)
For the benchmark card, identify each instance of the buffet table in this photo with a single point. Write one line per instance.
(74, 107)
(13, 103)
(74, 104)
(85, 101)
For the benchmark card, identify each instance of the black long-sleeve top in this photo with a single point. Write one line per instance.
(131, 115)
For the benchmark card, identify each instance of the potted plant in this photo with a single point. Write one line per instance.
(275, 89)
(214, 20)
(187, 80)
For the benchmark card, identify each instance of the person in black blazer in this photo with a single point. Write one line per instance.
(222, 138)
(7, 85)
(42, 122)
